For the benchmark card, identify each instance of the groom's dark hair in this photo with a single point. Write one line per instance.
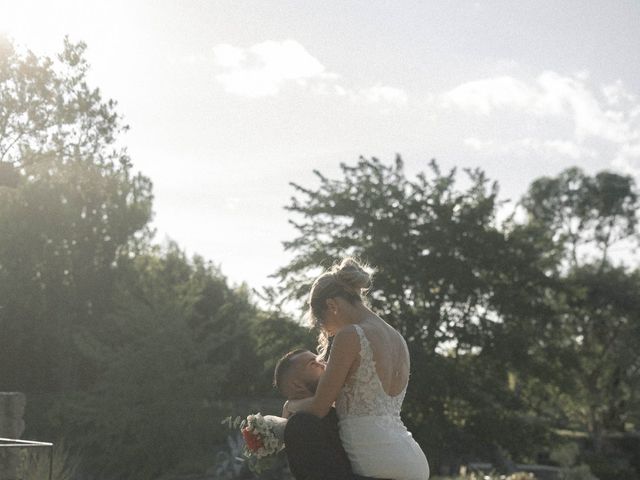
(283, 366)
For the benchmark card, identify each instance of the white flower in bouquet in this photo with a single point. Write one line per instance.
(264, 439)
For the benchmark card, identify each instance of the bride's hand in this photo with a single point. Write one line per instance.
(292, 406)
(286, 413)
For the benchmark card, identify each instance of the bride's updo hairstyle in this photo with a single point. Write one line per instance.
(348, 279)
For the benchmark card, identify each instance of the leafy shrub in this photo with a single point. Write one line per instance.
(580, 472)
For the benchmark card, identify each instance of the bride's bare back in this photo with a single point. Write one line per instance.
(390, 354)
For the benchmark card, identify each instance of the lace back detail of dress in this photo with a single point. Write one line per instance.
(364, 394)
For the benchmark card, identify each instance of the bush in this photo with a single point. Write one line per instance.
(610, 467)
(581, 472)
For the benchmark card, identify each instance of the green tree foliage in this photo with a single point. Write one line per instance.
(70, 209)
(274, 335)
(184, 350)
(180, 350)
(464, 293)
(596, 336)
(132, 352)
(584, 214)
(135, 352)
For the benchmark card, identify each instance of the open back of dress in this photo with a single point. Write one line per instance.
(390, 356)
(374, 437)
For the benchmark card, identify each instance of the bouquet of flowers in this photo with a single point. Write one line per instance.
(263, 436)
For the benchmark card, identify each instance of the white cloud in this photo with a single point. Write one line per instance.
(265, 68)
(628, 159)
(226, 55)
(615, 94)
(485, 96)
(478, 144)
(609, 115)
(383, 94)
(573, 97)
(550, 95)
(567, 148)
(340, 90)
(528, 145)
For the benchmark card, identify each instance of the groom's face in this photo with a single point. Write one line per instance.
(302, 379)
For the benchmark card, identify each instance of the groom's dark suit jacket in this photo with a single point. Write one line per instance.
(314, 449)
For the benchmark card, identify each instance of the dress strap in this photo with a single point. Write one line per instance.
(361, 334)
(358, 329)
(365, 346)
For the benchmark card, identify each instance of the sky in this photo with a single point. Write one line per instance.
(229, 100)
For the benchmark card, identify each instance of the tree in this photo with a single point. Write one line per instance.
(596, 335)
(134, 352)
(180, 351)
(71, 210)
(465, 294)
(274, 335)
(585, 216)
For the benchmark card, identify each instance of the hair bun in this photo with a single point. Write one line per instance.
(353, 275)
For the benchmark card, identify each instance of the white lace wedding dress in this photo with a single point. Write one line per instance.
(374, 437)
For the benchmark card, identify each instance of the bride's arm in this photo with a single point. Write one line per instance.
(344, 351)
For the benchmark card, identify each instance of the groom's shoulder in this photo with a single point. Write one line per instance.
(301, 422)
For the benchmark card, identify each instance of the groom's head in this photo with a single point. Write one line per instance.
(297, 374)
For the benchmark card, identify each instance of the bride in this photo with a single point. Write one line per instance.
(366, 376)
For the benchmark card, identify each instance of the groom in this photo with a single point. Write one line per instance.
(313, 445)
